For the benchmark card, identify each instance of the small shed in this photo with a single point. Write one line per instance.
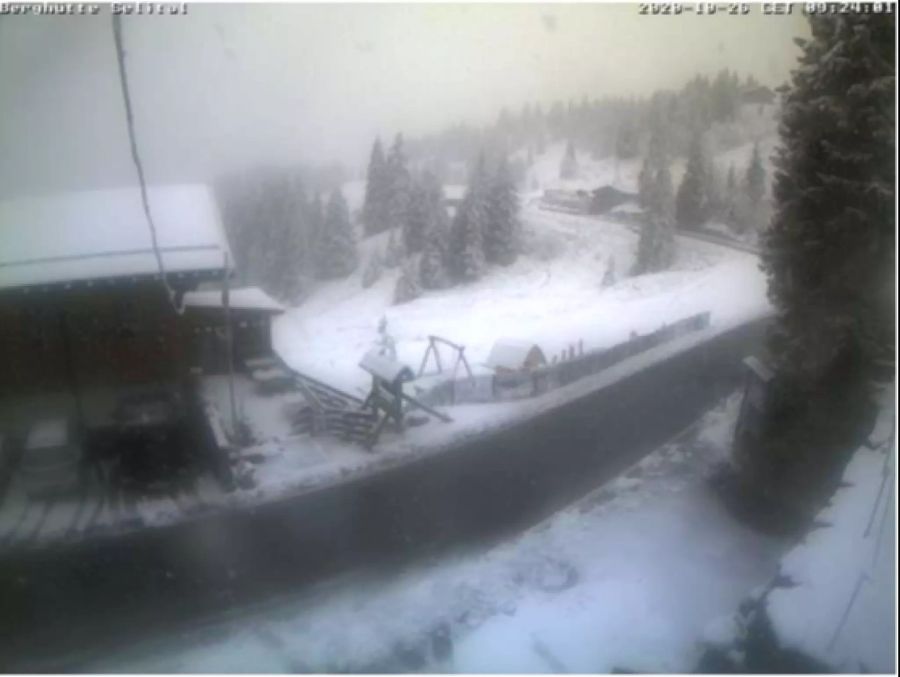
(509, 355)
(251, 311)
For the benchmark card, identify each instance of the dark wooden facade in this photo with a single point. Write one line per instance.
(206, 338)
(102, 334)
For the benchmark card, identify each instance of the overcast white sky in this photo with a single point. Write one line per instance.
(228, 85)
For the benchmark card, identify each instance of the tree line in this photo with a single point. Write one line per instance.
(433, 250)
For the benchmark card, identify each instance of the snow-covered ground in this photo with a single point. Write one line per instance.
(626, 578)
(553, 295)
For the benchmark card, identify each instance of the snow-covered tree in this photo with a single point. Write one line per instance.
(433, 267)
(375, 214)
(501, 231)
(829, 252)
(568, 169)
(418, 218)
(829, 257)
(399, 184)
(691, 207)
(656, 242)
(337, 245)
(467, 241)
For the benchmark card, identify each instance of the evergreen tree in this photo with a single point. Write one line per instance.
(375, 214)
(501, 232)
(656, 242)
(829, 257)
(467, 242)
(829, 252)
(399, 184)
(756, 178)
(337, 245)
(433, 268)
(569, 167)
(691, 207)
(418, 218)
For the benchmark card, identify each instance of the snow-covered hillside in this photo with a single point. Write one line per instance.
(553, 295)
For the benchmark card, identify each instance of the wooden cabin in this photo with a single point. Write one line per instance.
(85, 317)
(251, 311)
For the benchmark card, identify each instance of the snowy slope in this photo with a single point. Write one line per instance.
(552, 295)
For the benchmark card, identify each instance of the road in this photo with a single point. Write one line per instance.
(58, 607)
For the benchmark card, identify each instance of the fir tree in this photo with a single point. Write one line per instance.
(829, 257)
(433, 267)
(467, 243)
(755, 188)
(829, 250)
(656, 243)
(375, 214)
(501, 232)
(337, 246)
(691, 208)
(569, 167)
(418, 218)
(399, 184)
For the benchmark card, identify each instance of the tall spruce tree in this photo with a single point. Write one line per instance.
(418, 217)
(337, 246)
(829, 257)
(568, 169)
(433, 268)
(656, 242)
(829, 252)
(467, 242)
(691, 207)
(375, 214)
(501, 232)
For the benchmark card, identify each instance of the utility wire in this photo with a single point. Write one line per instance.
(123, 80)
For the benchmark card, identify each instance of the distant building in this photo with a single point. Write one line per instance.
(568, 201)
(606, 198)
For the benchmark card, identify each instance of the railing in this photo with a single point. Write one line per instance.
(519, 385)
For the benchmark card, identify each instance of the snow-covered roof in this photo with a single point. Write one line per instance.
(242, 298)
(98, 234)
(385, 368)
(511, 354)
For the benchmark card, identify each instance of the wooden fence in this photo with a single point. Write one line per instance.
(520, 385)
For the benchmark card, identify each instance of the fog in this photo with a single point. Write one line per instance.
(230, 85)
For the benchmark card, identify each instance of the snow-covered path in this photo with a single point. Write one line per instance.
(628, 577)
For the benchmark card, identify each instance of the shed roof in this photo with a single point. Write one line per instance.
(97, 234)
(242, 298)
(511, 353)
